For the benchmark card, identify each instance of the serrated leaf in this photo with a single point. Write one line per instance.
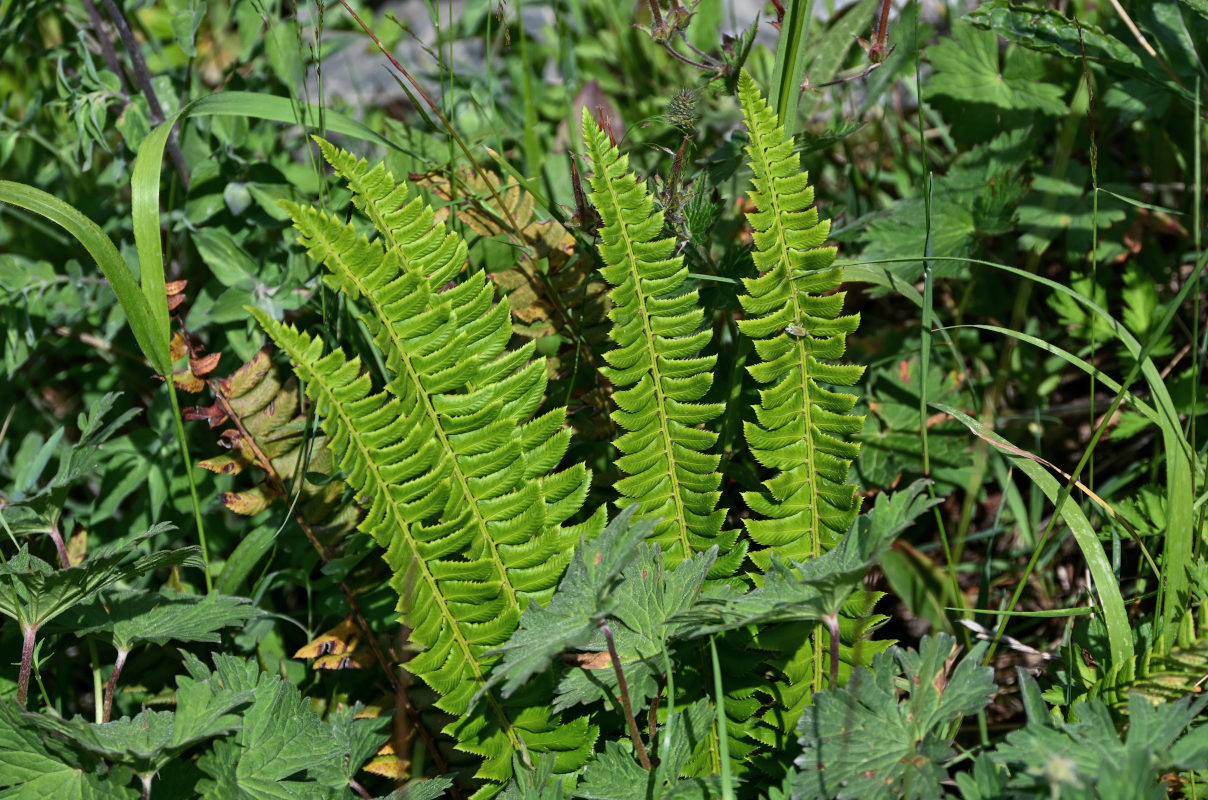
(615, 775)
(583, 597)
(647, 599)
(1047, 31)
(33, 768)
(138, 616)
(813, 590)
(1085, 757)
(282, 740)
(33, 592)
(150, 740)
(358, 740)
(885, 734)
(431, 789)
(967, 68)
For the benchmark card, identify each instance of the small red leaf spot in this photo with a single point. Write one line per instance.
(868, 773)
(598, 559)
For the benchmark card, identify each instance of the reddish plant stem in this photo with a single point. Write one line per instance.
(623, 687)
(656, 14)
(27, 663)
(654, 707)
(111, 684)
(883, 28)
(57, 538)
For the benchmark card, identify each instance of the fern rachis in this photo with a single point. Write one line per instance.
(656, 367)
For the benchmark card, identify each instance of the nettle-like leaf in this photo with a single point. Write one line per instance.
(33, 766)
(656, 367)
(33, 592)
(817, 589)
(584, 597)
(885, 734)
(1084, 756)
(282, 749)
(136, 616)
(793, 315)
(614, 775)
(646, 604)
(459, 478)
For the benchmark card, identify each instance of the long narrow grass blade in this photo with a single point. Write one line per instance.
(1115, 617)
(151, 340)
(789, 70)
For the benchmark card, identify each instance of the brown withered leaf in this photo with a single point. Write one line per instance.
(204, 365)
(176, 293)
(341, 639)
(588, 660)
(264, 424)
(532, 297)
(387, 764)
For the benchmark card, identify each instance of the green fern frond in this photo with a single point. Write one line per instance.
(453, 600)
(407, 224)
(461, 479)
(801, 427)
(657, 368)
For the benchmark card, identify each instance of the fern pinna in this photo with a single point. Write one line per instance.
(793, 316)
(459, 477)
(657, 368)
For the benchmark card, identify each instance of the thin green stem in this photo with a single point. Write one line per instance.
(178, 422)
(727, 780)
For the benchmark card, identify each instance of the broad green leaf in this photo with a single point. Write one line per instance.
(884, 736)
(281, 741)
(35, 768)
(647, 599)
(138, 616)
(615, 775)
(1047, 31)
(583, 598)
(1085, 756)
(967, 68)
(358, 740)
(430, 789)
(33, 592)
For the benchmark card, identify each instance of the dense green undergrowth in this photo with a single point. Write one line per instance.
(716, 419)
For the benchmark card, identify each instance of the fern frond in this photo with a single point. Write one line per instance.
(453, 598)
(801, 429)
(407, 224)
(793, 316)
(657, 368)
(461, 479)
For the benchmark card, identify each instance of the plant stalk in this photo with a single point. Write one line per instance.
(832, 627)
(27, 661)
(623, 686)
(111, 684)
